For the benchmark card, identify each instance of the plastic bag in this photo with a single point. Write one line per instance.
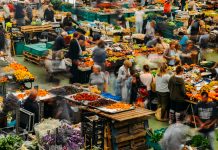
(62, 65)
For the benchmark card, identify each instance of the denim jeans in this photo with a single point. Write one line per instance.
(211, 137)
(139, 26)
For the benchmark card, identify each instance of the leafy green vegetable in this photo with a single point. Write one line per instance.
(200, 141)
(10, 142)
(117, 27)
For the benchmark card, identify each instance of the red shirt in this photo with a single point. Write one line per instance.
(167, 7)
(11, 7)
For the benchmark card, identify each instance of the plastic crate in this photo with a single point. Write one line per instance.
(19, 47)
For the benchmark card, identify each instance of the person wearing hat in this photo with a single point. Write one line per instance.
(49, 13)
(68, 20)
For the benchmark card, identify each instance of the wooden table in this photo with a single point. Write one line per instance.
(138, 112)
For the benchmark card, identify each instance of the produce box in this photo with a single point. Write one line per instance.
(36, 49)
(49, 45)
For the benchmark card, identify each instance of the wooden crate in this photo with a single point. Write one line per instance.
(136, 144)
(31, 28)
(33, 58)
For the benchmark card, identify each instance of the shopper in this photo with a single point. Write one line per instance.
(150, 31)
(146, 79)
(98, 78)
(183, 41)
(163, 93)
(123, 81)
(29, 12)
(195, 27)
(203, 42)
(99, 54)
(74, 54)
(177, 95)
(189, 54)
(206, 118)
(6, 12)
(68, 20)
(182, 5)
(139, 20)
(19, 15)
(171, 54)
(2, 39)
(167, 8)
(49, 13)
(31, 105)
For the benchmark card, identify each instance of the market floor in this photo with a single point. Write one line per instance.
(41, 80)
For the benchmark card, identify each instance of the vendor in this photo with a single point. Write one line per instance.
(189, 55)
(98, 78)
(31, 104)
(99, 54)
(206, 118)
(68, 20)
(59, 42)
(121, 21)
(29, 12)
(49, 13)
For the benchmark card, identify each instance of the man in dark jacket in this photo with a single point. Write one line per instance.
(31, 104)
(49, 14)
(19, 15)
(177, 95)
(74, 54)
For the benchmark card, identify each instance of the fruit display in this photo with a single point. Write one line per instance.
(40, 93)
(66, 90)
(119, 106)
(94, 89)
(101, 102)
(85, 97)
(3, 79)
(17, 66)
(21, 75)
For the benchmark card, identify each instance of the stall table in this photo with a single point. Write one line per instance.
(124, 130)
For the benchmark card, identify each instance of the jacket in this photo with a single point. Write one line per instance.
(74, 50)
(99, 55)
(177, 88)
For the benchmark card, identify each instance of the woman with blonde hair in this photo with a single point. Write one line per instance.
(123, 81)
(162, 80)
(171, 54)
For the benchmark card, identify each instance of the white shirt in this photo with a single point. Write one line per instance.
(6, 11)
(146, 79)
(139, 16)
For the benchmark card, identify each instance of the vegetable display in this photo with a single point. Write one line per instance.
(10, 142)
(200, 141)
(66, 90)
(85, 97)
(101, 102)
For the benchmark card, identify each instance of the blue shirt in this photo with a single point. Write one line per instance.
(183, 42)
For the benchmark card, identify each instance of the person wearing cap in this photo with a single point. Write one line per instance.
(68, 20)
(49, 13)
(31, 104)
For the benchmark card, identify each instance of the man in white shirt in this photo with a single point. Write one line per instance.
(139, 20)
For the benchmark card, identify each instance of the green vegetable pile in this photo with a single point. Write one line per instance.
(10, 142)
(157, 135)
(117, 28)
(200, 141)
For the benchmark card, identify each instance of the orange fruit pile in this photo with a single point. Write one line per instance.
(23, 75)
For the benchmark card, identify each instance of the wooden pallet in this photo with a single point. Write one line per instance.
(31, 28)
(33, 58)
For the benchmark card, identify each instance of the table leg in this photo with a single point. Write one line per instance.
(193, 115)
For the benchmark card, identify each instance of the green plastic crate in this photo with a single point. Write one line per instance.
(49, 45)
(19, 47)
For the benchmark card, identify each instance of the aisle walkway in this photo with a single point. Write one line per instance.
(40, 73)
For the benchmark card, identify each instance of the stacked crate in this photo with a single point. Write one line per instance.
(129, 135)
(93, 131)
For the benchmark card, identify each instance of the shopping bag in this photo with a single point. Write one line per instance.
(62, 65)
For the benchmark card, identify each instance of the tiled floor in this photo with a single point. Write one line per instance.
(41, 80)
